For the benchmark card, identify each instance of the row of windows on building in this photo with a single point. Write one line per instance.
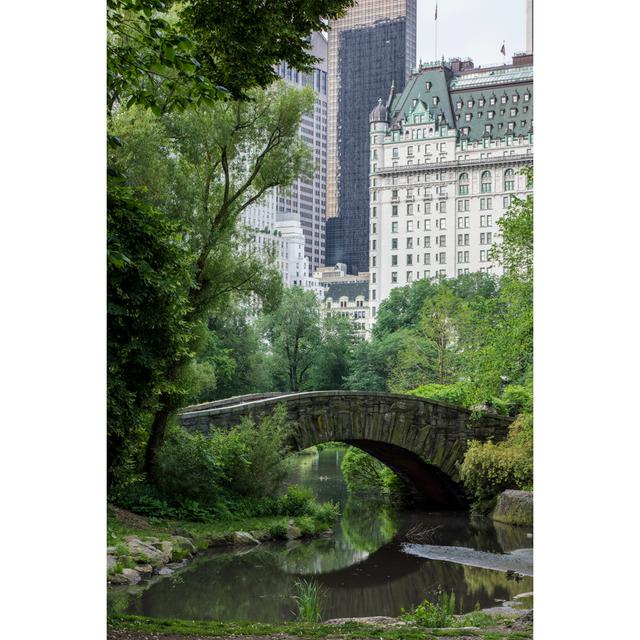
(515, 98)
(440, 241)
(464, 222)
(441, 207)
(441, 257)
(486, 182)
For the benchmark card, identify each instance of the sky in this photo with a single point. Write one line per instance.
(471, 29)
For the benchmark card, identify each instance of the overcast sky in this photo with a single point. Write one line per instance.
(471, 28)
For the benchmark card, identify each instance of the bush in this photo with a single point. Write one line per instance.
(435, 614)
(252, 458)
(488, 468)
(188, 470)
(457, 393)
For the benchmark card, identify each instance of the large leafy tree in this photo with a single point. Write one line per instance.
(293, 331)
(167, 55)
(333, 360)
(218, 160)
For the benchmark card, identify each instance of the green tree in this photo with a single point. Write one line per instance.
(223, 158)
(166, 55)
(402, 308)
(333, 358)
(148, 269)
(293, 331)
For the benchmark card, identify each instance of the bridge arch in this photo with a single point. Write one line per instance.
(422, 440)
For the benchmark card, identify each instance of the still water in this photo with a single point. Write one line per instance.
(373, 565)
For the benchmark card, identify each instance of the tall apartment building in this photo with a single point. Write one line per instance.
(445, 162)
(370, 47)
(282, 217)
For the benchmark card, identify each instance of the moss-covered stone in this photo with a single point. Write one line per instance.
(514, 507)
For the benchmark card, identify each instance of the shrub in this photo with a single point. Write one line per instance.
(297, 501)
(188, 470)
(488, 468)
(435, 614)
(252, 458)
(458, 393)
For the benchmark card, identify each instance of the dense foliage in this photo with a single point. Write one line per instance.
(364, 474)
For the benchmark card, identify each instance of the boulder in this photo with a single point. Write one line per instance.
(514, 507)
(144, 569)
(164, 571)
(148, 553)
(293, 532)
(111, 562)
(118, 579)
(242, 537)
(132, 576)
(182, 543)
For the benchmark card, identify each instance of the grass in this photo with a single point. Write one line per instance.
(347, 631)
(307, 598)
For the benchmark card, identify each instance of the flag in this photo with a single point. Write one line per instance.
(502, 50)
(436, 16)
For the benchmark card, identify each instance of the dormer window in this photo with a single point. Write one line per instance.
(527, 96)
(492, 100)
(488, 127)
(465, 130)
(470, 103)
(515, 97)
(490, 114)
(513, 111)
(503, 100)
(511, 126)
(415, 101)
(459, 104)
(467, 117)
(481, 102)
(427, 85)
(435, 100)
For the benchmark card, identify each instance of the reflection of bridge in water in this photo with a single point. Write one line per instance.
(423, 441)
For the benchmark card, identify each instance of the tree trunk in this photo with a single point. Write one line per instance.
(156, 437)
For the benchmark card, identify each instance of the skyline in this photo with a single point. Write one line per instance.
(467, 28)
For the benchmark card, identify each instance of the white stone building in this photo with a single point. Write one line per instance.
(445, 161)
(349, 300)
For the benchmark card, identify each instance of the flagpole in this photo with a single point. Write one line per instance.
(436, 32)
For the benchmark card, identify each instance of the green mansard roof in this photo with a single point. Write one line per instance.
(439, 81)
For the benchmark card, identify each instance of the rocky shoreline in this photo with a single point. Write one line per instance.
(139, 558)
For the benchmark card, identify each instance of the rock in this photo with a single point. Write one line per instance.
(529, 594)
(293, 532)
(132, 576)
(327, 533)
(514, 507)
(177, 565)
(118, 578)
(111, 562)
(144, 569)
(242, 537)
(182, 543)
(164, 571)
(112, 551)
(146, 553)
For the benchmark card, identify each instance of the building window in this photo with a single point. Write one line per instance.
(373, 228)
(394, 277)
(427, 85)
(515, 97)
(463, 184)
(394, 260)
(409, 276)
(394, 152)
(409, 225)
(467, 117)
(435, 100)
(427, 242)
(481, 102)
(503, 100)
(373, 261)
(394, 243)
(373, 212)
(492, 100)
(485, 182)
(443, 241)
(513, 111)
(506, 202)
(409, 258)
(394, 194)
(427, 258)
(459, 104)
(409, 243)
(443, 258)
(409, 209)
(483, 255)
(394, 227)
(443, 223)
(470, 103)
(409, 151)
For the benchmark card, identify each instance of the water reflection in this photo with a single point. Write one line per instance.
(364, 569)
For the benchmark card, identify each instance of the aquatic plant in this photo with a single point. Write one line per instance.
(435, 614)
(308, 596)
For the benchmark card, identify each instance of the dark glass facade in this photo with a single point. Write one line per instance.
(369, 60)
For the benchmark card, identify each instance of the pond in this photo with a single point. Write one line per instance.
(380, 561)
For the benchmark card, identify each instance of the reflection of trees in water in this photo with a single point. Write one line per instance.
(489, 585)
(318, 556)
(369, 524)
(511, 537)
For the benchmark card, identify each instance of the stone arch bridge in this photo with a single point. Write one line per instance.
(422, 440)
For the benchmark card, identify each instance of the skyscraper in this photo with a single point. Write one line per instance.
(372, 47)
